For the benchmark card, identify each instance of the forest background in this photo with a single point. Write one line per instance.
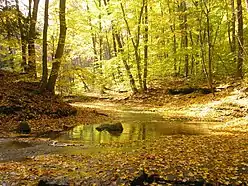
(89, 45)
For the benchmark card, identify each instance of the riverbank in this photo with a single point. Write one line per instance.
(228, 106)
(45, 113)
(20, 100)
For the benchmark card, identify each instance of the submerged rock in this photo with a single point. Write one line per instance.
(23, 128)
(116, 127)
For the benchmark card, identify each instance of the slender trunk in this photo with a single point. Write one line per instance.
(210, 74)
(8, 24)
(233, 48)
(60, 49)
(173, 28)
(93, 37)
(193, 72)
(112, 31)
(127, 67)
(31, 41)
(44, 55)
(100, 35)
(184, 27)
(114, 42)
(23, 40)
(107, 47)
(202, 44)
(145, 47)
(135, 43)
(239, 73)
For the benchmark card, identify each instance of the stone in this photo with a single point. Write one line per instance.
(116, 127)
(23, 128)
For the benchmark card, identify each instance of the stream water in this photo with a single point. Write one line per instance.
(137, 123)
(137, 126)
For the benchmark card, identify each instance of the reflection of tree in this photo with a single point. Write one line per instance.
(114, 133)
(99, 137)
(136, 129)
(92, 134)
(81, 135)
(131, 132)
(143, 131)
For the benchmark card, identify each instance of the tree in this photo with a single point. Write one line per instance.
(135, 40)
(31, 41)
(31, 38)
(146, 46)
(184, 30)
(23, 36)
(60, 48)
(44, 55)
(240, 56)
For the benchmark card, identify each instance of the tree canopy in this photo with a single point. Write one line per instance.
(125, 45)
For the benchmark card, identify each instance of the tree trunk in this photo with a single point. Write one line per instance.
(135, 43)
(31, 41)
(44, 56)
(129, 73)
(114, 42)
(233, 48)
(60, 49)
(23, 40)
(100, 35)
(146, 46)
(184, 36)
(239, 73)
(209, 39)
(93, 37)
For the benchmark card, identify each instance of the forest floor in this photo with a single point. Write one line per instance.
(20, 100)
(219, 158)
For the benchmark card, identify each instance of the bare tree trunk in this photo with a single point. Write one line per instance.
(193, 70)
(202, 43)
(135, 43)
(60, 49)
(184, 27)
(209, 39)
(107, 48)
(31, 41)
(100, 35)
(44, 55)
(93, 37)
(239, 73)
(145, 47)
(233, 49)
(129, 73)
(23, 40)
(114, 42)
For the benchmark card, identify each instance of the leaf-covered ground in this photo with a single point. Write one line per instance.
(221, 158)
(21, 101)
(216, 159)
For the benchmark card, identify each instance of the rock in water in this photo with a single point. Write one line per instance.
(23, 128)
(116, 127)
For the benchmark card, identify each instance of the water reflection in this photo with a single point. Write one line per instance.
(137, 126)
